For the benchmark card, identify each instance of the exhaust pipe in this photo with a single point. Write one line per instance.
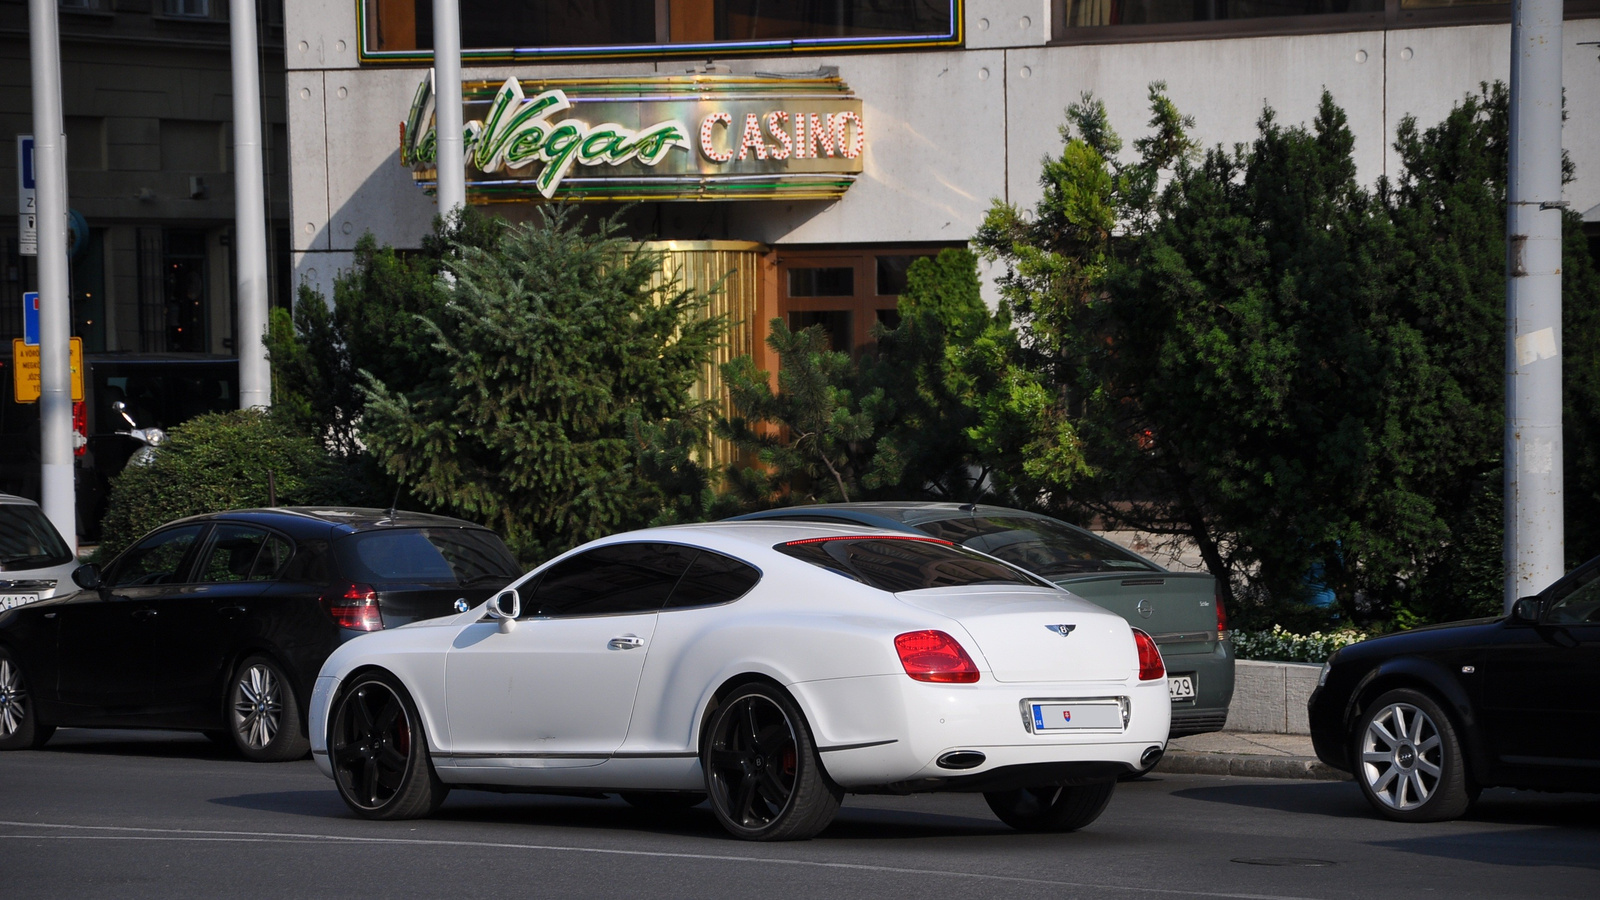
(1150, 757)
(961, 759)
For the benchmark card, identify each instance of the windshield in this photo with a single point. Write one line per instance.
(903, 564)
(461, 556)
(1040, 545)
(28, 540)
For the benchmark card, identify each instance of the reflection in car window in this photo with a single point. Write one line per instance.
(617, 578)
(711, 579)
(1043, 546)
(273, 559)
(155, 559)
(233, 551)
(28, 540)
(1581, 605)
(904, 564)
(463, 556)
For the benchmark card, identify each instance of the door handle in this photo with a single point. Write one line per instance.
(144, 614)
(626, 642)
(231, 612)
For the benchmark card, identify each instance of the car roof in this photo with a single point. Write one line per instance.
(901, 515)
(748, 537)
(14, 500)
(346, 518)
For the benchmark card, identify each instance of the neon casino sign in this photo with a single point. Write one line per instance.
(691, 137)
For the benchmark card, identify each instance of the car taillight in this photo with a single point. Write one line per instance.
(1150, 665)
(935, 656)
(1222, 617)
(356, 608)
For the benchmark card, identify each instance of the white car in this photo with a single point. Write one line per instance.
(773, 666)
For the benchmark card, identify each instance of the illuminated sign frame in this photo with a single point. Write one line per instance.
(690, 137)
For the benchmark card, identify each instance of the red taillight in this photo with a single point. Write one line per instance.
(1150, 665)
(935, 656)
(356, 608)
(1222, 617)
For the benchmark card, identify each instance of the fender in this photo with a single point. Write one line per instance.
(1402, 671)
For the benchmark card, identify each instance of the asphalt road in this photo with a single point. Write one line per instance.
(151, 814)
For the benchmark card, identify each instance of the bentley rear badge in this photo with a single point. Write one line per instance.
(1062, 630)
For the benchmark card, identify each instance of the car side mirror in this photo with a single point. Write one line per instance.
(1525, 611)
(506, 606)
(86, 576)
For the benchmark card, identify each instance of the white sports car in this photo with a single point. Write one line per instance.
(773, 666)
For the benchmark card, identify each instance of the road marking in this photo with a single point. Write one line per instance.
(130, 833)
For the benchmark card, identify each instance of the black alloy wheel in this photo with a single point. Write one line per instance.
(379, 751)
(762, 772)
(1408, 760)
(1051, 808)
(20, 728)
(263, 715)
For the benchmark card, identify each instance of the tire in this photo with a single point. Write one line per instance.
(20, 728)
(379, 751)
(1051, 808)
(1408, 760)
(263, 715)
(763, 775)
(663, 802)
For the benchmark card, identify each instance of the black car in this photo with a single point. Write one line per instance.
(219, 623)
(1428, 718)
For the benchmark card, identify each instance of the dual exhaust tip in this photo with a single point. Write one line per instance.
(971, 759)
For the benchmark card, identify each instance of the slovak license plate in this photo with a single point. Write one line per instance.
(8, 601)
(1180, 687)
(1060, 715)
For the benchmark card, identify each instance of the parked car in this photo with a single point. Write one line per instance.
(1426, 719)
(218, 623)
(34, 560)
(1183, 611)
(773, 666)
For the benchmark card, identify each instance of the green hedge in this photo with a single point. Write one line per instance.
(1278, 645)
(220, 461)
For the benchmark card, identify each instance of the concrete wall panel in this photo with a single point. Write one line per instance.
(993, 24)
(308, 162)
(319, 34)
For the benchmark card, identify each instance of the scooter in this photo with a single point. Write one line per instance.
(150, 438)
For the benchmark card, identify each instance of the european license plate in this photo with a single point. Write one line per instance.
(1051, 715)
(7, 601)
(1180, 687)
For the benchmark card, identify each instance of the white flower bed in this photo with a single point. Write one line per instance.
(1286, 646)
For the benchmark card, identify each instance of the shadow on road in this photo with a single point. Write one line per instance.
(1328, 798)
(111, 742)
(1539, 847)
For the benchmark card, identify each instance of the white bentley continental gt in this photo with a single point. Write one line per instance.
(768, 666)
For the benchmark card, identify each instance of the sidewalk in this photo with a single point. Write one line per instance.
(1249, 755)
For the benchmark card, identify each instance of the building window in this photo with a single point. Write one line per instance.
(846, 292)
(187, 9)
(402, 30)
(1105, 21)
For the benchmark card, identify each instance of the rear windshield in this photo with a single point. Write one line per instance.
(1042, 546)
(461, 556)
(903, 564)
(28, 540)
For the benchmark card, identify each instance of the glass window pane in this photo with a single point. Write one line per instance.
(1581, 605)
(892, 273)
(233, 552)
(713, 578)
(273, 560)
(155, 559)
(619, 578)
(28, 540)
(1085, 13)
(1042, 546)
(460, 556)
(904, 564)
(835, 322)
(833, 281)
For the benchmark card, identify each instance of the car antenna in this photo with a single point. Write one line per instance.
(393, 503)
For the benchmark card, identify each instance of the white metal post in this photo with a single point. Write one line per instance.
(450, 163)
(1535, 531)
(57, 492)
(250, 210)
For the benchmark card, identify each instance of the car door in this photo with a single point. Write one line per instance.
(197, 626)
(113, 653)
(558, 690)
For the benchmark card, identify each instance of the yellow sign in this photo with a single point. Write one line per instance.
(25, 377)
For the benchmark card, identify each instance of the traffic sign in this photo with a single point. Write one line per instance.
(30, 318)
(27, 201)
(25, 374)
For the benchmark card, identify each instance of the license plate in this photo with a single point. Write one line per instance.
(1053, 715)
(7, 601)
(1180, 687)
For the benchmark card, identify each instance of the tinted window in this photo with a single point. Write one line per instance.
(459, 556)
(713, 578)
(155, 559)
(619, 578)
(28, 540)
(904, 564)
(1042, 546)
(1581, 604)
(233, 552)
(273, 559)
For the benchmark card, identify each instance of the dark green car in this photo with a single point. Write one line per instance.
(1181, 610)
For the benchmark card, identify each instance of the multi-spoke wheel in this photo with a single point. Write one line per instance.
(1051, 808)
(1408, 759)
(380, 751)
(263, 717)
(762, 772)
(20, 728)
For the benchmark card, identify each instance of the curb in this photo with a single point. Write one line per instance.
(1180, 762)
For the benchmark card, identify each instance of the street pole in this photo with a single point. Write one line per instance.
(250, 210)
(450, 163)
(56, 490)
(1534, 540)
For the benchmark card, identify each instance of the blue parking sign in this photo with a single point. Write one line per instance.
(30, 318)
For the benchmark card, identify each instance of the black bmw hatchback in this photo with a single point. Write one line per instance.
(1428, 718)
(219, 623)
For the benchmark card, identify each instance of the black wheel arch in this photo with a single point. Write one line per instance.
(1440, 684)
(302, 691)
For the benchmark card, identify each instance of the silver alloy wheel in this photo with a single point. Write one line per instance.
(1402, 756)
(257, 706)
(13, 700)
